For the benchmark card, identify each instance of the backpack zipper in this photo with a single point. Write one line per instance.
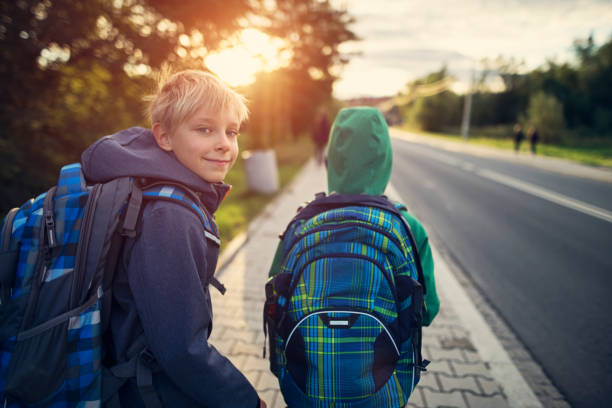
(412, 385)
(318, 312)
(294, 280)
(336, 225)
(40, 268)
(83, 244)
(358, 224)
(413, 245)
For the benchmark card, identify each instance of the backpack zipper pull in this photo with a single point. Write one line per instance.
(50, 225)
(43, 274)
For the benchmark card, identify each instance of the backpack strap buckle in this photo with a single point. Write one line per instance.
(147, 358)
(423, 366)
(145, 366)
(217, 285)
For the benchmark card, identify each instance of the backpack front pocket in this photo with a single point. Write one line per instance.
(340, 354)
(59, 359)
(38, 365)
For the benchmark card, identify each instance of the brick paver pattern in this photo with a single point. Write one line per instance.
(456, 377)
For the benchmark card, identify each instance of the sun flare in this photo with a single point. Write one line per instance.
(253, 51)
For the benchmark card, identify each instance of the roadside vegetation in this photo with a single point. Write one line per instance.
(592, 151)
(78, 73)
(568, 103)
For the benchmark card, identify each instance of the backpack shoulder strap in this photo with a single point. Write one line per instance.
(417, 259)
(323, 203)
(399, 205)
(7, 228)
(178, 193)
(8, 258)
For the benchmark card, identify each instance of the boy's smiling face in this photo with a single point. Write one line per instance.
(205, 142)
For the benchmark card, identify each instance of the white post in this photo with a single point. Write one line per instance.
(467, 110)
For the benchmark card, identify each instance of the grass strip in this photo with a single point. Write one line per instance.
(592, 151)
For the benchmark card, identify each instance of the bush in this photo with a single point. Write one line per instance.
(545, 113)
(434, 113)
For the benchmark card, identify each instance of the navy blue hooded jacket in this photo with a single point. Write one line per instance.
(160, 289)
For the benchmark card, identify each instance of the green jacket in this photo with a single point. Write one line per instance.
(359, 160)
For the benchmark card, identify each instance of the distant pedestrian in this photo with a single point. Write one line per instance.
(518, 137)
(533, 136)
(320, 135)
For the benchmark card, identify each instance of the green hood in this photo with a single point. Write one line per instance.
(359, 156)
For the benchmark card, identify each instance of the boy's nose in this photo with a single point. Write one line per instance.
(223, 142)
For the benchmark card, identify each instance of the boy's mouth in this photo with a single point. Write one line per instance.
(217, 161)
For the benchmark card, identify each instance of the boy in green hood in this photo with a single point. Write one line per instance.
(359, 161)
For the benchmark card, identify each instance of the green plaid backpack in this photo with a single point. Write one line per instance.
(344, 313)
(58, 254)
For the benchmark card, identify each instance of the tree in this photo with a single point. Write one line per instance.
(429, 104)
(545, 113)
(66, 73)
(71, 71)
(595, 80)
(314, 30)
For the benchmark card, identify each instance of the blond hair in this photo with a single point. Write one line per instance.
(181, 94)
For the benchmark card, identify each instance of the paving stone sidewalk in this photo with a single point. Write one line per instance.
(456, 377)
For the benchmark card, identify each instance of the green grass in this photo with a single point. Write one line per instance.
(595, 152)
(241, 206)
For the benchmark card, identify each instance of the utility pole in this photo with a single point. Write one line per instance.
(467, 110)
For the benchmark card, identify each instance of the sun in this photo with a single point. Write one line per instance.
(253, 51)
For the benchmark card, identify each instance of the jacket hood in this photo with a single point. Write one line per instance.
(359, 155)
(133, 152)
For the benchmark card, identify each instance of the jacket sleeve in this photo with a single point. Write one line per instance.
(276, 262)
(166, 272)
(432, 303)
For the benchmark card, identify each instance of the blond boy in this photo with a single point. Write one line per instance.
(161, 301)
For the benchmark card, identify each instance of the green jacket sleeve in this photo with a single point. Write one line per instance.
(432, 303)
(276, 263)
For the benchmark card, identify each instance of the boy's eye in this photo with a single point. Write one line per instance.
(204, 129)
(232, 133)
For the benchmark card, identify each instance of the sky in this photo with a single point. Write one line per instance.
(405, 39)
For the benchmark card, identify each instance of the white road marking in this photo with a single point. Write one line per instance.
(523, 186)
(547, 195)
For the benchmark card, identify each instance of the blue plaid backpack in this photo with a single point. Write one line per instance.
(344, 313)
(57, 259)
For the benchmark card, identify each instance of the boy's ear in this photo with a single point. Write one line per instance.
(162, 137)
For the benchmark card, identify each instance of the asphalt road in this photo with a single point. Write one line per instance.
(538, 247)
